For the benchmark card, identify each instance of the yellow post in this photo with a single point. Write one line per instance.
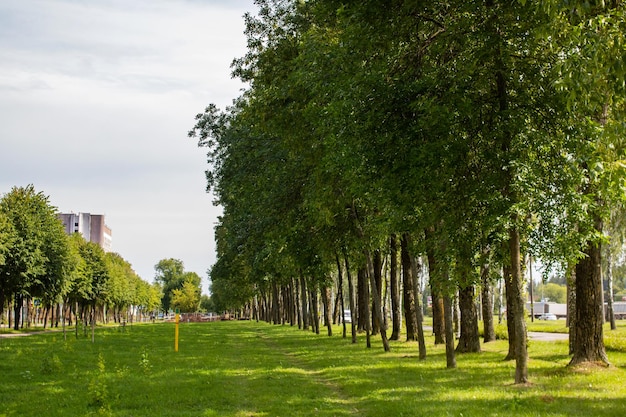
(176, 335)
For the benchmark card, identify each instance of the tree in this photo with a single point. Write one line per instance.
(96, 276)
(170, 274)
(206, 304)
(35, 265)
(553, 292)
(187, 298)
(590, 39)
(121, 283)
(7, 239)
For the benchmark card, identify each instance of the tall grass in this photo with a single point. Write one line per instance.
(255, 369)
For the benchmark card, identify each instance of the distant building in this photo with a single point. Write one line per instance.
(90, 226)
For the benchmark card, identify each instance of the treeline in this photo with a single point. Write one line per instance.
(470, 133)
(48, 275)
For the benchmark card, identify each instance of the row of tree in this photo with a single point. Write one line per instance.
(473, 133)
(66, 276)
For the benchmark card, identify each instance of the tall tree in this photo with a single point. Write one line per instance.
(187, 298)
(170, 274)
(35, 264)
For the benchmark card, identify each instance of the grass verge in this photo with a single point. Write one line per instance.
(255, 369)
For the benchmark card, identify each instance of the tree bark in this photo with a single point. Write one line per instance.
(510, 325)
(418, 311)
(351, 297)
(367, 322)
(377, 269)
(469, 340)
(394, 284)
(571, 308)
(315, 315)
(363, 300)
(376, 300)
(517, 306)
(489, 333)
(275, 304)
(340, 296)
(449, 332)
(326, 299)
(589, 343)
(304, 301)
(18, 300)
(609, 283)
(410, 312)
(293, 295)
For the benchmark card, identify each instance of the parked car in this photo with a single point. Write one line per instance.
(547, 316)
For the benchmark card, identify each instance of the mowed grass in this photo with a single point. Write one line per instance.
(242, 368)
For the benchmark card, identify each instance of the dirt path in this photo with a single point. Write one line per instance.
(548, 337)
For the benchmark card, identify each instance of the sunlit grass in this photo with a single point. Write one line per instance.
(255, 369)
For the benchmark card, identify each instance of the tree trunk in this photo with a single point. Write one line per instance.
(297, 303)
(93, 323)
(351, 297)
(418, 311)
(18, 300)
(489, 332)
(336, 314)
(376, 300)
(449, 332)
(377, 270)
(609, 283)
(589, 344)
(304, 300)
(394, 284)
(363, 299)
(315, 319)
(367, 323)
(326, 300)
(275, 304)
(293, 306)
(340, 296)
(571, 308)
(46, 310)
(517, 305)
(510, 325)
(456, 317)
(469, 340)
(409, 294)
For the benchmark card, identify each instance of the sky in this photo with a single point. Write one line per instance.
(96, 99)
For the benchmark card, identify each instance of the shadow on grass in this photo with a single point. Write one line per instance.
(254, 369)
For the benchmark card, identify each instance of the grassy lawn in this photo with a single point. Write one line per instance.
(255, 369)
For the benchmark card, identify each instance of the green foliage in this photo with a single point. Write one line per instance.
(187, 298)
(144, 362)
(34, 245)
(7, 237)
(207, 305)
(553, 292)
(98, 390)
(50, 364)
(180, 288)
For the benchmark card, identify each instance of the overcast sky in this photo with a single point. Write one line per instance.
(96, 99)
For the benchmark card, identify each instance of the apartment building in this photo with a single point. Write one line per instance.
(90, 226)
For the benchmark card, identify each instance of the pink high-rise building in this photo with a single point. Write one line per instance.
(90, 226)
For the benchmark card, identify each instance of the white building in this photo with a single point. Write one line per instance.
(90, 226)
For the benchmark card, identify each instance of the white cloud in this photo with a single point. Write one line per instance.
(96, 99)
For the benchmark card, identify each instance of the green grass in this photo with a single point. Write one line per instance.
(255, 369)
